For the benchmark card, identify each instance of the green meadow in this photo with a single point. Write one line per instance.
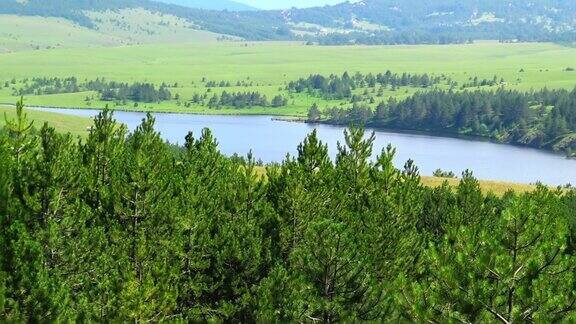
(269, 66)
(74, 125)
(24, 33)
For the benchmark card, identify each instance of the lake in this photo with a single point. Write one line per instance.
(270, 140)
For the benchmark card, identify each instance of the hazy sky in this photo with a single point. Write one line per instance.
(283, 4)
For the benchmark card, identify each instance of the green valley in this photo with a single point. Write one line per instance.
(268, 67)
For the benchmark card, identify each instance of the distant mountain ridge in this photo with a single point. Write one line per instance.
(252, 25)
(475, 19)
(364, 22)
(287, 4)
(211, 4)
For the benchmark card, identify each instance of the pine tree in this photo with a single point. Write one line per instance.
(517, 270)
(314, 114)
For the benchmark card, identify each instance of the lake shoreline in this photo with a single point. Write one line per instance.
(271, 141)
(301, 119)
(230, 112)
(472, 138)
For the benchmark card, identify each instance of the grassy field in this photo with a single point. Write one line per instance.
(39, 33)
(498, 188)
(139, 26)
(276, 63)
(63, 123)
(119, 28)
(269, 66)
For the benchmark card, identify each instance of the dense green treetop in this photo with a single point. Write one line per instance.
(124, 227)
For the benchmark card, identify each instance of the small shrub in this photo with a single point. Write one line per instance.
(439, 173)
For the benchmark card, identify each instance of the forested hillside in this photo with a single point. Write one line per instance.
(541, 119)
(124, 227)
(365, 22)
(438, 21)
(248, 24)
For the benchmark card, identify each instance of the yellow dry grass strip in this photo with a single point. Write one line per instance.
(498, 188)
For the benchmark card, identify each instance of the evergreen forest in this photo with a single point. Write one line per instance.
(541, 119)
(123, 226)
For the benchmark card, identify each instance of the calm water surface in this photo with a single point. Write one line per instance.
(270, 140)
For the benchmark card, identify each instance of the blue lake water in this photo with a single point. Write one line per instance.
(270, 140)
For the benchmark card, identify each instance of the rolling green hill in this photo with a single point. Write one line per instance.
(140, 26)
(112, 28)
(249, 24)
(33, 33)
(363, 22)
